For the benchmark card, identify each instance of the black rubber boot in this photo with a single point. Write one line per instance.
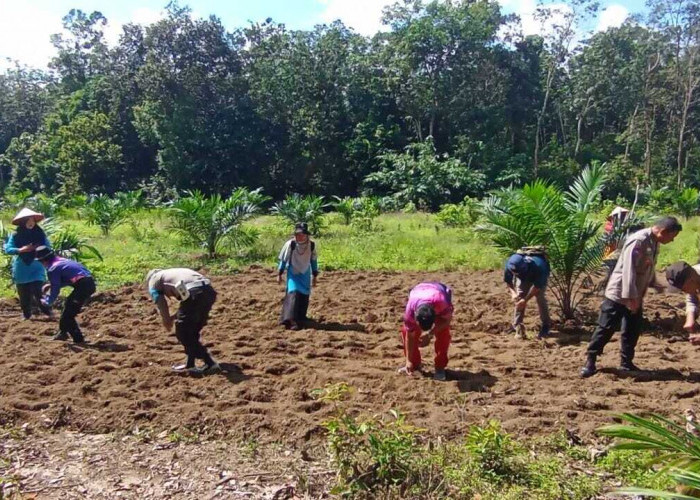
(60, 336)
(589, 369)
(628, 366)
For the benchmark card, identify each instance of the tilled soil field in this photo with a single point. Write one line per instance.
(121, 380)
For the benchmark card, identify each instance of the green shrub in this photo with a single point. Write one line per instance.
(372, 455)
(366, 210)
(686, 202)
(214, 222)
(494, 451)
(462, 214)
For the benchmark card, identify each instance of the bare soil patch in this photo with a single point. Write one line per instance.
(121, 380)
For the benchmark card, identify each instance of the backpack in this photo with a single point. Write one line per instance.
(293, 247)
(535, 251)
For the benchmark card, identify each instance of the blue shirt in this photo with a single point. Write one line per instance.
(537, 272)
(64, 272)
(21, 272)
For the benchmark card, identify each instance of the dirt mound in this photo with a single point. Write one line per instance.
(121, 381)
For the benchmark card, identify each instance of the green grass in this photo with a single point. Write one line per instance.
(398, 242)
(384, 456)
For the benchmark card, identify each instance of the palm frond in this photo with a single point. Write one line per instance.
(586, 188)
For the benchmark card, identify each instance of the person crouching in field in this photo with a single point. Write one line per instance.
(298, 257)
(196, 297)
(634, 273)
(27, 272)
(65, 272)
(429, 309)
(686, 278)
(526, 276)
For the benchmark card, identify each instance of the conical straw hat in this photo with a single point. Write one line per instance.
(25, 213)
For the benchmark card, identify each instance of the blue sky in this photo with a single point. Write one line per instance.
(25, 25)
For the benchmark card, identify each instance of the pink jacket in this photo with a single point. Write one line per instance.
(435, 294)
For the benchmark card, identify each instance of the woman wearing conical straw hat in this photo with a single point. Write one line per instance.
(27, 273)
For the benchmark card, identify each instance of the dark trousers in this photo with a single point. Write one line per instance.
(612, 317)
(82, 291)
(294, 308)
(192, 316)
(28, 293)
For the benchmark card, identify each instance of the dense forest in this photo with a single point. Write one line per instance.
(450, 101)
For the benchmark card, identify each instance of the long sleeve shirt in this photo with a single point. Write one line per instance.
(22, 272)
(64, 272)
(691, 299)
(635, 269)
(436, 294)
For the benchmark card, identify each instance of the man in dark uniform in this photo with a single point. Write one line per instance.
(196, 297)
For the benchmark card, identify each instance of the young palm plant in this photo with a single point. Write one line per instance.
(678, 451)
(541, 214)
(105, 212)
(213, 222)
(345, 207)
(687, 202)
(68, 243)
(296, 208)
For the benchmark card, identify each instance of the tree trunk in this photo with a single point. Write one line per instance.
(561, 127)
(540, 118)
(687, 101)
(579, 125)
(649, 128)
(630, 131)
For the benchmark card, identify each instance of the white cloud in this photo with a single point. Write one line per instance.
(25, 31)
(612, 17)
(364, 16)
(526, 10)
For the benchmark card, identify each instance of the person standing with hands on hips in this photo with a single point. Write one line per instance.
(298, 257)
(27, 273)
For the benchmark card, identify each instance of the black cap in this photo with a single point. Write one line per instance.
(301, 227)
(677, 274)
(43, 252)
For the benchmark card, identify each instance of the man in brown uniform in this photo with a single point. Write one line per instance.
(633, 274)
(196, 297)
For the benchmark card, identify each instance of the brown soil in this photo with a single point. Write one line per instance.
(121, 380)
